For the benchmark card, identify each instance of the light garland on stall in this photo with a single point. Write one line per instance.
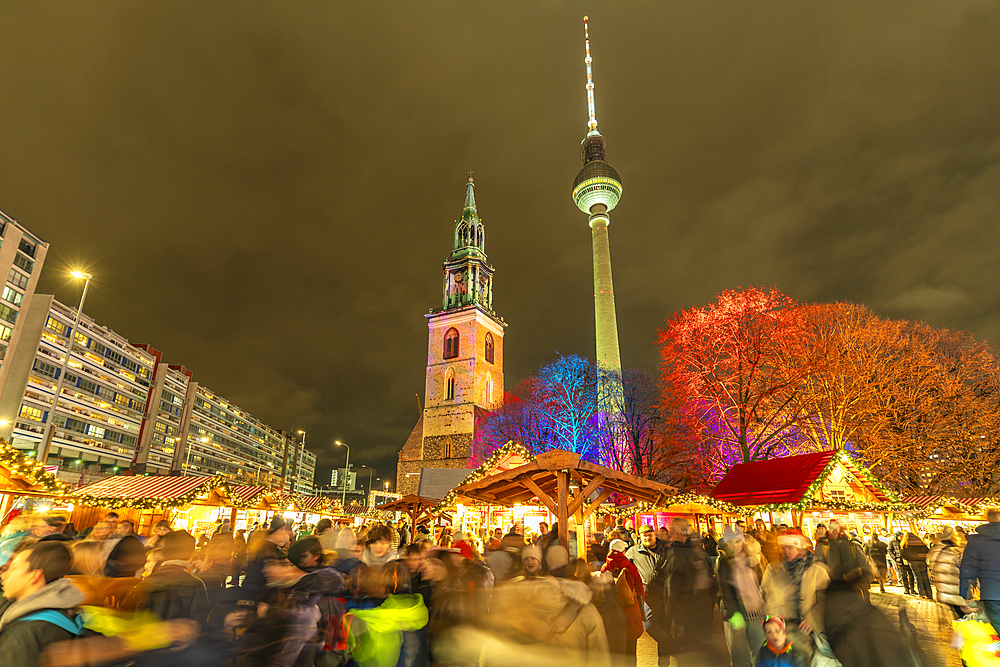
(30, 470)
(156, 502)
(510, 449)
(678, 499)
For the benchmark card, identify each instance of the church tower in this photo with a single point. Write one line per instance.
(464, 357)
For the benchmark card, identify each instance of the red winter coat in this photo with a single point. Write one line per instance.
(633, 615)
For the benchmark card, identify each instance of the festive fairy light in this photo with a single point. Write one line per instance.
(31, 471)
(485, 468)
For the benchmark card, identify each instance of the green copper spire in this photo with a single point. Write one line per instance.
(468, 278)
(469, 212)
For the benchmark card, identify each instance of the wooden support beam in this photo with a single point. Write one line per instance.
(562, 507)
(544, 497)
(583, 495)
(589, 509)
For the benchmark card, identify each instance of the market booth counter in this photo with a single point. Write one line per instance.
(567, 486)
(809, 489)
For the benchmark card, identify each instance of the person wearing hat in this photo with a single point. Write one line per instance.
(742, 605)
(531, 562)
(648, 558)
(944, 561)
(792, 589)
(626, 574)
(777, 651)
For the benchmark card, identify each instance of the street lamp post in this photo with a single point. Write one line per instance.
(46, 443)
(298, 462)
(370, 471)
(347, 471)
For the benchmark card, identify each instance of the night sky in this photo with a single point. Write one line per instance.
(266, 191)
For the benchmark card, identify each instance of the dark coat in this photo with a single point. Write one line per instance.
(859, 634)
(895, 550)
(126, 558)
(878, 550)
(687, 587)
(171, 592)
(846, 560)
(914, 551)
(981, 561)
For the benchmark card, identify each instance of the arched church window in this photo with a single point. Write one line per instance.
(449, 385)
(451, 343)
(488, 352)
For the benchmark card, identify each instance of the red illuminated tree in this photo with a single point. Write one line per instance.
(734, 366)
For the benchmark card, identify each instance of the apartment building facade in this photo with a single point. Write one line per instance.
(22, 256)
(100, 412)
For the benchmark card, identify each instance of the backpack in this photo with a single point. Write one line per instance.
(626, 596)
(73, 626)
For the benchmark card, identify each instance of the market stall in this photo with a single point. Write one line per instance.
(480, 518)
(940, 511)
(567, 486)
(22, 477)
(416, 509)
(189, 503)
(809, 489)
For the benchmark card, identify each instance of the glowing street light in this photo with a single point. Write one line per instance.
(347, 471)
(46, 443)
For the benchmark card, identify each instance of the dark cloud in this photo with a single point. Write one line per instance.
(265, 191)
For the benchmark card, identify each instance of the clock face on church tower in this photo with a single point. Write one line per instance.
(459, 279)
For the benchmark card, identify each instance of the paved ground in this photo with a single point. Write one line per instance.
(931, 623)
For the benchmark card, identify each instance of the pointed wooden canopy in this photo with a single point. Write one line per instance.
(549, 477)
(415, 507)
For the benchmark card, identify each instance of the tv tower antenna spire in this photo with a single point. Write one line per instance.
(592, 122)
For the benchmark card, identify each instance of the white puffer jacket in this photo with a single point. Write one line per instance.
(943, 562)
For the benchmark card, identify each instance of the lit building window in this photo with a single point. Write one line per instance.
(489, 348)
(451, 343)
(449, 385)
(28, 412)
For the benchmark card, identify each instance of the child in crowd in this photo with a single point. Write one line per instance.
(778, 651)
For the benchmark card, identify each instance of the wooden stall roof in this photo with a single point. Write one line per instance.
(153, 489)
(407, 503)
(253, 497)
(539, 478)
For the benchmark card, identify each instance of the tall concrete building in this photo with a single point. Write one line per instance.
(22, 255)
(596, 191)
(168, 415)
(100, 412)
(464, 373)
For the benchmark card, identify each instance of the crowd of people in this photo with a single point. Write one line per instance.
(329, 595)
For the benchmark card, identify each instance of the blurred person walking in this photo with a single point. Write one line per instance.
(943, 563)
(981, 562)
(793, 588)
(688, 584)
(915, 554)
(648, 556)
(878, 551)
(40, 606)
(742, 604)
(903, 571)
(631, 594)
(847, 560)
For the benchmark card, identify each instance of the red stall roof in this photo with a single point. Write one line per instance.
(783, 480)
